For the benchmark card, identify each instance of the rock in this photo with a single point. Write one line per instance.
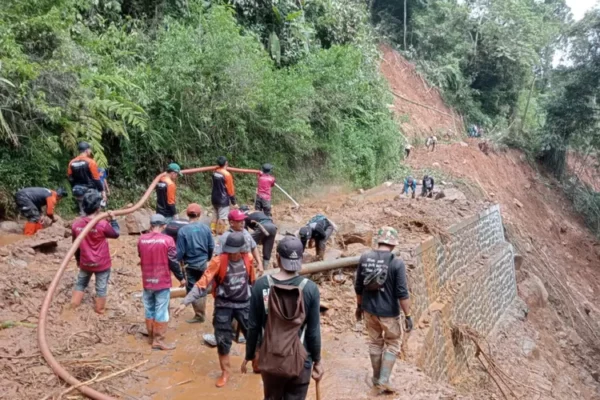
(24, 253)
(463, 144)
(355, 232)
(4, 252)
(15, 262)
(596, 376)
(138, 222)
(354, 249)
(563, 229)
(332, 254)
(518, 261)
(528, 186)
(450, 194)
(391, 212)
(517, 203)
(11, 227)
(435, 165)
(361, 191)
(529, 348)
(533, 291)
(388, 184)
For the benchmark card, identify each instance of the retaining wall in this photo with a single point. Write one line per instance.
(466, 277)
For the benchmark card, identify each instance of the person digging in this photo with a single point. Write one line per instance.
(158, 258)
(231, 275)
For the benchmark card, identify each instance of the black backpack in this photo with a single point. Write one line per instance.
(174, 226)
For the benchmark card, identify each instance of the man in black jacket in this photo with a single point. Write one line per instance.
(264, 232)
(427, 188)
(381, 290)
(30, 202)
(289, 258)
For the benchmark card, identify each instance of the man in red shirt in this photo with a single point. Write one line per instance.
(93, 255)
(158, 255)
(263, 192)
(83, 175)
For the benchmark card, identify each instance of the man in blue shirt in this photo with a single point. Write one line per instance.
(195, 246)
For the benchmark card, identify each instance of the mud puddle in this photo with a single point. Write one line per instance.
(9, 238)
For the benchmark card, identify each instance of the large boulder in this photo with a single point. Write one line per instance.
(138, 222)
(533, 292)
(11, 227)
(450, 194)
(355, 232)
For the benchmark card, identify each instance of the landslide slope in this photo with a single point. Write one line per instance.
(555, 349)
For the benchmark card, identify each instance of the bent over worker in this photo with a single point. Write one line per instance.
(266, 181)
(158, 255)
(381, 290)
(427, 188)
(264, 232)
(222, 196)
(93, 254)
(83, 175)
(410, 182)
(231, 275)
(195, 247)
(30, 202)
(166, 192)
(289, 259)
(318, 229)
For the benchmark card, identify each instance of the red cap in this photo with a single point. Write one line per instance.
(236, 215)
(194, 208)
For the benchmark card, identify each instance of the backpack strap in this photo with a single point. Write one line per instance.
(301, 287)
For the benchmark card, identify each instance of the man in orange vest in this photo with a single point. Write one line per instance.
(166, 192)
(223, 195)
(232, 276)
(30, 202)
(83, 174)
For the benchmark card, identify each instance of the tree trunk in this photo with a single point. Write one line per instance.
(405, 25)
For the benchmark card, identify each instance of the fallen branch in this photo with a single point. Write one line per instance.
(104, 378)
(420, 104)
(12, 324)
(178, 384)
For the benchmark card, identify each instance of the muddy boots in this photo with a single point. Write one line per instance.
(387, 365)
(150, 329)
(100, 305)
(76, 299)
(199, 307)
(225, 368)
(159, 331)
(376, 358)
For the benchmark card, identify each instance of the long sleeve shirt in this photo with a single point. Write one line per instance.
(93, 254)
(195, 245)
(257, 319)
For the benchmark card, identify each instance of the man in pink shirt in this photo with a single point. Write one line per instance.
(158, 255)
(93, 255)
(263, 193)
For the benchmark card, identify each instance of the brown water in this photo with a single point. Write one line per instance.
(10, 238)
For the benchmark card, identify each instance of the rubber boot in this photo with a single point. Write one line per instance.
(376, 364)
(225, 368)
(31, 228)
(199, 307)
(100, 305)
(150, 329)
(159, 331)
(266, 264)
(387, 365)
(76, 299)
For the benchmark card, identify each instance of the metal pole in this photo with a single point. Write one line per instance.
(289, 197)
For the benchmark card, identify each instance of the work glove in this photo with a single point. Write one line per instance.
(358, 313)
(408, 323)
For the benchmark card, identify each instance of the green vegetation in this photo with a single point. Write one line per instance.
(150, 82)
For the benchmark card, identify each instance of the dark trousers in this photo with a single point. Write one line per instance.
(27, 208)
(277, 388)
(192, 275)
(321, 241)
(222, 319)
(267, 242)
(263, 205)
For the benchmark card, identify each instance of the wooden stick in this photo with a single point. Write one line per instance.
(286, 193)
(318, 390)
(262, 229)
(104, 378)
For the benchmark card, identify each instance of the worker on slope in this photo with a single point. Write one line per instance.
(237, 220)
(30, 202)
(285, 326)
(166, 192)
(232, 276)
(93, 255)
(223, 195)
(427, 188)
(264, 232)
(195, 247)
(431, 142)
(266, 181)
(381, 290)
(83, 175)
(409, 182)
(158, 255)
(407, 149)
(318, 229)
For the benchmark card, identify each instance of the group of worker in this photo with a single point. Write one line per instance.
(278, 313)
(410, 184)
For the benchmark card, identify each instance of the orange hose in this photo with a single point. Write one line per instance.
(42, 342)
